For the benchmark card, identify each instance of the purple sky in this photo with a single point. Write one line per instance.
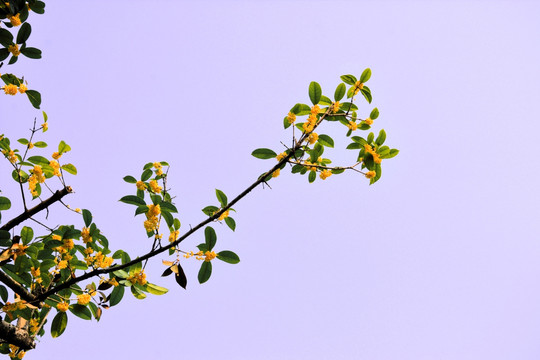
(439, 260)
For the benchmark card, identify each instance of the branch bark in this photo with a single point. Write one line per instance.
(18, 337)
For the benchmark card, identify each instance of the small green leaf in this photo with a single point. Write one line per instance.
(366, 75)
(63, 147)
(39, 160)
(34, 97)
(264, 154)
(27, 234)
(155, 289)
(40, 144)
(325, 100)
(205, 272)
(230, 223)
(130, 179)
(374, 114)
(167, 206)
(87, 217)
(3, 293)
(315, 92)
(340, 92)
(312, 176)
(210, 210)
(59, 324)
(326, 140)
(348, 79)
(137, 293)
(367, 94)
(132, 200)
(301, 109)
(5, 203)
(228, 257)
(24, 33)
(222, 198)
(70, 168)
(176, 224)
(381, 138)
(81, 311)
(116, 295)
(31, 52)
(147, 174)
(210, 237)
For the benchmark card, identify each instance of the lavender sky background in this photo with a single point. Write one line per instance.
(439, 260)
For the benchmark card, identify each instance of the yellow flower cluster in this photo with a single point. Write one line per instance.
(140, 185)
(369, 121)
(309, 125)
(45, 126)
(308, 165)
(34, 325)
(291, 117)
(10, 155)
(14, 50)
(376, 158)
(99, 260)
(371, 174)
(64, 306)
(152, 222)
(36, 273)
(159, 170)
(17, 305)
(226, 213)
(315, 109)
(206, 256)
(312, 138)
(357, 87)
(335, 107)
(85, 234)
(56, 155)
(23, 88)
(62, 264)
(83, 299)
(30, 145)
(281, 156)
(174, 235)
(275, 174)
(10, 89)
(138, 278)
(325, 173)
(56, 167)
(352, 125)
(36, 178)
(18, 250)
(209, 256)
(155, 187)
(14, 19)
(13, 352)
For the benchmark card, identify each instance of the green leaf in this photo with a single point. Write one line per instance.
(393, 153)
(381, 138)
(301, 109)
(23, 141)
(340, 92)
(176, 224)
(116, 295)
(39, 160)
(312, 176)
(87, 217)
(155, 289)
(34, 97)
(222, 198)
(63, 147)
(4, 53)
(348, 79)
(3, 293)
(210, 210)
(59, 324)
(366, 74)
(31, 52)
(374, 114)
(5, 203)
(70, 168)
(137, 293)
(228, 257)
(168, 218)
(130, 179)
(210, 237)
(180, 276)
(27, 234)
(315, 92)
(230, 223)
(264, 154)
(326, 140)
(354, 146)
(81, 311)
(325, 100)
(367, 94)
(40, 144)
(167, 206)
(24, 33)
(205, 272)
(147, 174)
(132, 200)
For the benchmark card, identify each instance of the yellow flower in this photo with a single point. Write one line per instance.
(36, 272)
(56, 155)
(308, 127)
(56, 237)
(68, 244)
(63, 306)
(226, 213)
(357, 87)
(281, 156)
(45, 126)
(335, 107)
(113, 282)
(138, 278)
(23, 88)
(10, 89)
(157, 165)
(153, 210)
(83, 299)
(85, 234)
(312, 138)
(209, 255)
(315, 109)
(56, 167)
(77, 210)
(352, 125)
(14, 50)
(325, 173)
(12, 157)
(291, 117)
(155, 187)
(369, 121)
(174, 235)
(275, 174)
(140, 185)
(30, 145)
(159, 172)
(14, 19)
(371, 174)
(88, 251)
(150, 224)
(62, 264)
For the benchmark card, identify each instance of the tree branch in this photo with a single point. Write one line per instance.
(16, 287)
(41, 206)
(18, 337)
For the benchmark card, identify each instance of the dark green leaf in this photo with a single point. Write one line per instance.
(301, 109)
(326, 140)
(312, 176)
(210, 210)
(87, 217)
(205, 272)
(81, 311)
(348, 79)
(367, 94)
(24, 33)
(39, 160)
(222, 198)
(230, 223)
(264, 153)
(34, 97)
(315, 92)
(167, 206)
(180, 277)
(31, 52)
(3, 293)
(130, 179)
(210, 237)
(116, 295)
(133, 200)
(168, 218)
(147, 174)
(228, 257)
(59, 324)
(27, 234)
(340, 92)
(5, 203)
(374, 114)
